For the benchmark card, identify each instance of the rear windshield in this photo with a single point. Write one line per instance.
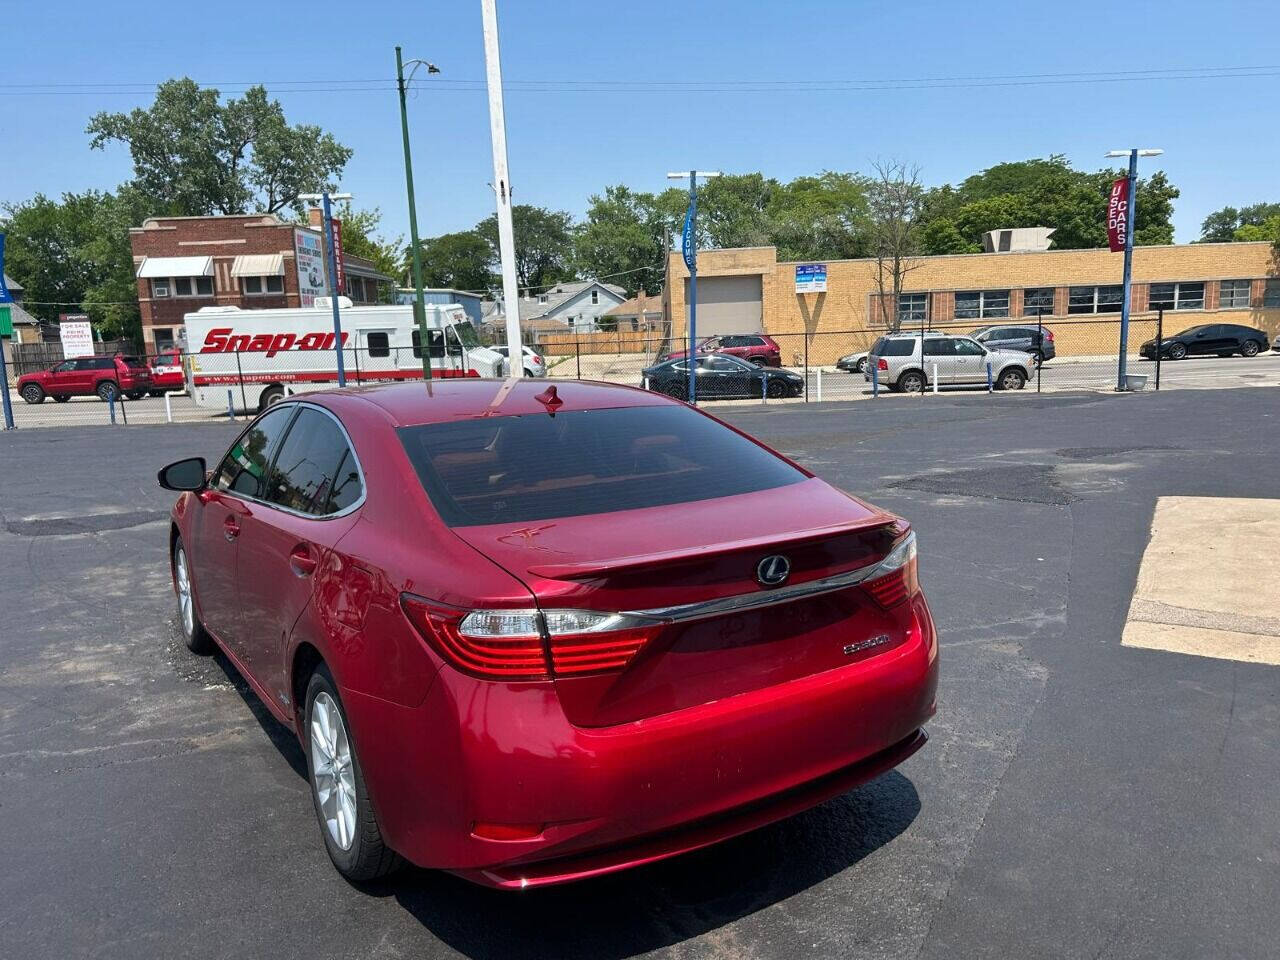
(537, 467)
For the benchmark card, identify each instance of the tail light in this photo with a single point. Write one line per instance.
(1049, 335)
(894, 580)
(528, 644)
(882, 363)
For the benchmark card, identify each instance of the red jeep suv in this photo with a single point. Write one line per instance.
(108, 377)
(757, 348)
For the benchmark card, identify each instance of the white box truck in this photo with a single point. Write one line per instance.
(263, 356)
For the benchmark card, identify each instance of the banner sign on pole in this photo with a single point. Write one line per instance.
(5, 295)
(338, 266)
(1118, 214)
(309, 258)
(687, 240)
(811, 278)
(77, 339)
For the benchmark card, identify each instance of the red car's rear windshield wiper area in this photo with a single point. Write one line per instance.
(519, 469)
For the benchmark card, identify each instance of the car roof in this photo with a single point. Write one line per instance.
(462, 398)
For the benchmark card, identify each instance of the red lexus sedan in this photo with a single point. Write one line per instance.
(531, 635)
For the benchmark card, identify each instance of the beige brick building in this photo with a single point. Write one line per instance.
(748, 290)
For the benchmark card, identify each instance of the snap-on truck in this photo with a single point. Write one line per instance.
(263, 356)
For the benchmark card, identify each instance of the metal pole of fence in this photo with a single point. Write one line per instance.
(124, 413)
(244, 400)
(1039, 343)
(577, 353)
(231, 409)
(355, 359)
(1159, 342)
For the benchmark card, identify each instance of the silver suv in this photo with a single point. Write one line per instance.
(908, 362)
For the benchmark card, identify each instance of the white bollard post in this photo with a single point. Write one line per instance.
(819, 384)
(935, 379)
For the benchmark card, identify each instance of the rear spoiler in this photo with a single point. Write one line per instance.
(583, 571)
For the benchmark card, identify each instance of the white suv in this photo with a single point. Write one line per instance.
(909, 362)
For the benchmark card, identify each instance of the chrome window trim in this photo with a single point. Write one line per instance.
(364, 487)
(700, 610)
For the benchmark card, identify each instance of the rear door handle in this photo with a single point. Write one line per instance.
(302, 561)
(230, 527)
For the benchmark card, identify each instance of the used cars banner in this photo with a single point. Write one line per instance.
(1118, 214)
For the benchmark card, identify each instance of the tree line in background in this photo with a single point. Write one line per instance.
(195, 154)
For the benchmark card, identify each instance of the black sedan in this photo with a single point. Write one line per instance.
(722, 377)
(1208, 340)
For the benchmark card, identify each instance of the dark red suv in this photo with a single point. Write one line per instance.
(757, 348)
(108, 377)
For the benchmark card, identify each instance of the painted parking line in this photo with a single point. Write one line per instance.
(1207, 579)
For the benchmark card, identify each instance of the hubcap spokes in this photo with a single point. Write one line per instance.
(185, 606)
(335, 782)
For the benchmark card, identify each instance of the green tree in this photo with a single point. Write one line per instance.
(457, 260)
(895, 201)
(1269, 229)
(544, 244)
(821, 218)
(622, 239)
(1223, 226)
(195, 155)
(361, 237)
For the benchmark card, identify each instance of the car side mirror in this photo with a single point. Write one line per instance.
(186, 474)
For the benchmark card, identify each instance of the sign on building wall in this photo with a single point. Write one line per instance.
(308, 253)
(811, 278)
(77, 338)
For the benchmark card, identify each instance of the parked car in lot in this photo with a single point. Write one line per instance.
(1037, 341)
(531, 635)
(723, 377)
(534, 365)
(107, 377)
(857, 362)
(1210, 339)
(756, 348)
(906, 362)
(166, 373)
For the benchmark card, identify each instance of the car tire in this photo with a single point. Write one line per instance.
(759, 361)
(136, 394)
(270, 397)
(338, 792)
(60, 398)
(1011, 379)
(33, 393)
(194, 634)
(913, 381)
(1178, 352)
(775, 389)
(1250, 348)
(157, 393)
(860, 366)
(107, 391)
(528, 372)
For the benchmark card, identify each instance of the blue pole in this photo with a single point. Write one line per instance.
(693, 289)
(333, 290)
(4, 390)
(1131, 216)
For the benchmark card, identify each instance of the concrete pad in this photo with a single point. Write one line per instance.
(1206, 578)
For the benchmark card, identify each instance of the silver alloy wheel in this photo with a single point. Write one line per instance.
(334, 775)
(1012, 380)
(186, 606)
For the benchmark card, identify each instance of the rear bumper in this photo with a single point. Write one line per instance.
(609, 798)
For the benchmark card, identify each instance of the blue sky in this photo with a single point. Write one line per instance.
(566, 143)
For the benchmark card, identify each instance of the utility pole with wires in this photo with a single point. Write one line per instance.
(502, 187)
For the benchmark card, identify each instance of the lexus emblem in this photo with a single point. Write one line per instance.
(773, 571)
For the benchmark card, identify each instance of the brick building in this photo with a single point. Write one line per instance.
(748, 290)
(255, 261)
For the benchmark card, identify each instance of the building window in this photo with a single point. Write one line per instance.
(163, 338)
(912, 308)
(981, 304)
(1106, 299)
(595, 296)
(1036, 300)
(255, 286)
(193, 286)
(160, 288)
(1177, 296)
(1271, 294)
(1234, 293)
(542, 298)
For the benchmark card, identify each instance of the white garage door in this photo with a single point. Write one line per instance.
(728, 305)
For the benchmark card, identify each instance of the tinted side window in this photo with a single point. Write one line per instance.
(244, 468)
(104, 363)
(86, 363)
(379, 344)
(307, 465)
(435, 343)
(897, 348)
(939, 347)
(347, 486)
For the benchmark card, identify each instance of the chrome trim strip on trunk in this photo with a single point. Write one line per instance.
(768, 598)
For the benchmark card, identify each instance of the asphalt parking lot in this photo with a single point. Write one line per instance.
(1078, 798)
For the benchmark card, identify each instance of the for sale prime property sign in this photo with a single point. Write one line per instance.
(811, 278)
(77, 338)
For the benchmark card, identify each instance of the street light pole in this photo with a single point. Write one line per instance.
(689, 245)
(1131, 216)
(419, 308)
(334, 292)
